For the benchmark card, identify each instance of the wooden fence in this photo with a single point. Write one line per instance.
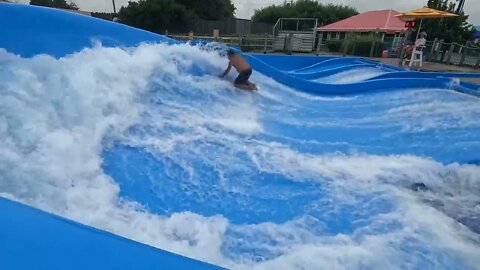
(232, 26)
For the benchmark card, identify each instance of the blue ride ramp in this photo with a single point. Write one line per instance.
(56, 243)
(334, 167)
(307, 73)
(45, 31)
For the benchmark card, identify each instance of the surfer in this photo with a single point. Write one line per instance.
(244, 71)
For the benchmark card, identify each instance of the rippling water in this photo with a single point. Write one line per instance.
(150, 144)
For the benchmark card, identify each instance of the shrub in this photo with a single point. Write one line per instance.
(334, 45)
(156, 15)
(362, 45)
(363, 48)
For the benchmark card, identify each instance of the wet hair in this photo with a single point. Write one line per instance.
(230, 52)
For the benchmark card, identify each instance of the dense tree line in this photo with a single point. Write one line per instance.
(174, 15)
(210, 9)
(325, 13)
(54, 4)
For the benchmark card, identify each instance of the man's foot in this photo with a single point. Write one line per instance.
(253, 86)
(249, 87)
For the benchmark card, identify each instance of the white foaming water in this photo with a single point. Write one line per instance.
(352, 76)
(57, 116)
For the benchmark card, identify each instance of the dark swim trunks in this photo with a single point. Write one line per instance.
(243, 77)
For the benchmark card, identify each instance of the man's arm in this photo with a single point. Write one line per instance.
(227, 70)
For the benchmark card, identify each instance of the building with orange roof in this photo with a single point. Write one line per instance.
(383, 22)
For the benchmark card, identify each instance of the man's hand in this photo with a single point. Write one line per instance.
(226, 70)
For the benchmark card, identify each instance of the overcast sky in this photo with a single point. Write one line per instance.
(245, 8)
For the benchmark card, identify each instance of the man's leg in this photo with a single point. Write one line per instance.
(242, 81)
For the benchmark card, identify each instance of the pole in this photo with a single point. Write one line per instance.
(402, 46)
(434, 48)
(114, 8)
(319, 42)
(345, 44)
(265, 44)
(290, 44)
(372, 47)
(450, 53)
(461, 4)
(419, 29)
(477, 65)
(464, 55)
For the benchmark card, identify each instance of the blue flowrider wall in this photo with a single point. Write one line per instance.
(31, 31)
(32, 239)
(132, 153)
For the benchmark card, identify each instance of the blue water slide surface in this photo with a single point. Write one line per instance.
(30, 31)
(304, 73)
(336, 163)
(57, 243)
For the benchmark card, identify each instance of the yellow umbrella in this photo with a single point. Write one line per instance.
(425, 13)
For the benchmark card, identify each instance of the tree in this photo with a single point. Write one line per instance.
(210, 9)
(45, 3)
(174, 15)
(54, 4)
(325, 14)
(449, 29)
(156, 15)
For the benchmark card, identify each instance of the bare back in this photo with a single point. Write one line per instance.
(239, 63)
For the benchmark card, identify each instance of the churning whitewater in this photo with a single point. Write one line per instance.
(150, 144)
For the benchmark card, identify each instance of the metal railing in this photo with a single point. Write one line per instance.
(301, 25)
(259, 43)
(453, 53)
(440, 52)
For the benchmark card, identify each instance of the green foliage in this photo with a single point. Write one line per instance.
(325, 14)
(156, 15)
(210, 9)
(54, 4)
(103, 15)
(364, 47)
(173, 15)
(361, 45)
(334, 45)
(449, 29)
